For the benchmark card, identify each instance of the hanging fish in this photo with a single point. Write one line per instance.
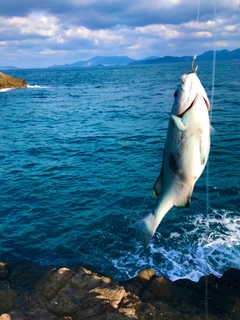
(185, 154)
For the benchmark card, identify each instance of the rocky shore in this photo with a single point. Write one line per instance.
(30, 291)
(7, 81)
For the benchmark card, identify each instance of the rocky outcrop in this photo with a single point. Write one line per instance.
(7, 81)
(29, 291)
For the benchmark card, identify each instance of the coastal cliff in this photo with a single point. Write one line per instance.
(7, 81)
(30, 291)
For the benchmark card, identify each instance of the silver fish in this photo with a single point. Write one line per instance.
(185, 155)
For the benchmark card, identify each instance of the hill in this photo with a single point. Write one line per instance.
(101, 61)
(8, 68)
(97, 61)
(223, 55)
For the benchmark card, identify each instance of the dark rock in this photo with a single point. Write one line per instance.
(24, 273)
(7, 300)
(40, 314)
(7, 81)
(162, 288)
(93, 307)
(4, 271)
(53, 282)
(17, 315)
(133, 286)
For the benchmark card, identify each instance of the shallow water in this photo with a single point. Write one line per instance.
(80, 150)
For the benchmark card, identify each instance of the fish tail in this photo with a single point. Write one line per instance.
(146, 227)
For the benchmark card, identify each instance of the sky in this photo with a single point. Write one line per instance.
(41, 33)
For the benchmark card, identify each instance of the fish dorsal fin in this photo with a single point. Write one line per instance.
(178, 122)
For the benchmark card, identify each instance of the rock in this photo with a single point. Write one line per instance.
(133, 285)
(235, 312)
(4, 271)
(162, 288)
(29, 291)
(17, 315)
(39, 314)
(145, 276)
(130, 305)
(53, 282)
(7, 81)
(68, 293)
(93, 307)
(5, 316)
(7, 300)
(113, 295)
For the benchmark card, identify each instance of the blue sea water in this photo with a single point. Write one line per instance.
(80, 150)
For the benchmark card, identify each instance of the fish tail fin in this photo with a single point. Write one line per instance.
(146, 227)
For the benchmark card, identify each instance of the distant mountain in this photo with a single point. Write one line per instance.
(101, 61)
(223, 55)
(220, 55)
(8, 68)
(151, 58)
(98, 60)
(166, 59)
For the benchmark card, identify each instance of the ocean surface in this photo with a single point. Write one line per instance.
(80, 150)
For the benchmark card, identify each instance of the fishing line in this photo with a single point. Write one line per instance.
(210, 119)
(198, 11)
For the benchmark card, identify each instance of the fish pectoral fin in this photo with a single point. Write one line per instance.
(178, 122)
(204, 150)
(157, 187)
(184, 203)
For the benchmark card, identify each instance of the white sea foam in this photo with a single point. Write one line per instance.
(28, 86)
(212, 247)
(34, 86)
(6, 89)
(217, 247)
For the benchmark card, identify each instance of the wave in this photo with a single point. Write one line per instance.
(35, 86)
(6, 89)
(211, 246)
(28, 86)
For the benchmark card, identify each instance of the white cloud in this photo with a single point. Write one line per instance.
(96, 37)
(34, 24)
(160, 30)
(53, 52)
(222, 44)
(203, 34)
(230, 28)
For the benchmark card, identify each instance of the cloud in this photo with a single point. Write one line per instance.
(222, 44)
(160, 30)
(31, 26)
(38, 33)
